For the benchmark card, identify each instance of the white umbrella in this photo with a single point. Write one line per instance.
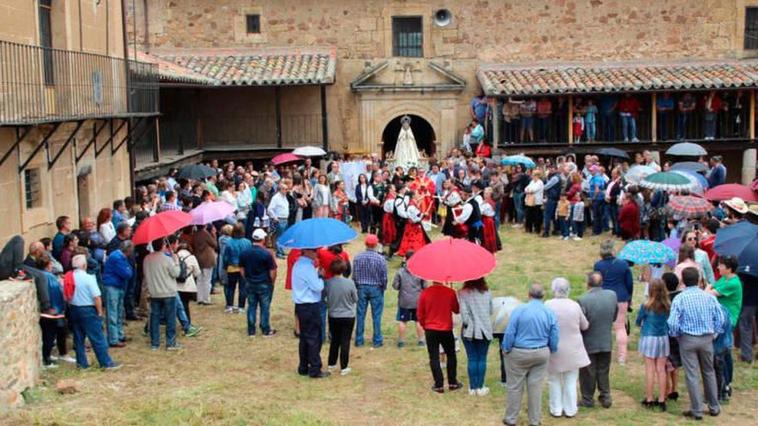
(309, 151)
(635, 174)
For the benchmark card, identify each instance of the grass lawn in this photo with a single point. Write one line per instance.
(223, 377)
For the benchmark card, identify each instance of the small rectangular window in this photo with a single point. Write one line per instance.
(253, 24)
(751, 28)
(32, 188)
(407, 36)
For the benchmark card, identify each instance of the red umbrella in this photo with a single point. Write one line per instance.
(451, 259)
(689, 206)
(729, 191)
(161, 225)
(284, 158)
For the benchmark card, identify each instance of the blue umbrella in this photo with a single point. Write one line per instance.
(740, 240)
(694, 176)
(512, 160)
(644, 252)
(315, 233)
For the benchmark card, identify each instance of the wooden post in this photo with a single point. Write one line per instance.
(324, 120)
(752, 116)
(654, 118)
(570, 120)
(157, 140)
(495, 124)
(278, 117)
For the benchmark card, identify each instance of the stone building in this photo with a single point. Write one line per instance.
(429, 58)
(66, 117)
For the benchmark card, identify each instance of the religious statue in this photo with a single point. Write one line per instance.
(406, 152)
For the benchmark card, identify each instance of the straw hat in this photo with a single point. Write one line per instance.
(737, 204)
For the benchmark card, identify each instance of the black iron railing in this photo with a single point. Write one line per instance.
(39, 85)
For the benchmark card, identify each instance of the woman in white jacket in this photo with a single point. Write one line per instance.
(188, 289)
(533, 201)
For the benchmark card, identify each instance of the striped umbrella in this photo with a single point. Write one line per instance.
(667, 181)
(645, 252)
(689, 206)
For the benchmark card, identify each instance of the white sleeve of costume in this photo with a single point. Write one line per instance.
(487, 210)
(401, 208)
(413, 214)
(388, 204)
(370, 194)
(465, 214)
(452, 199)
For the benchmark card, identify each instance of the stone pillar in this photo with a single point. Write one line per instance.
(654, 118)
(751, 123)
(570, 123)
(748, 166)
(20, 341)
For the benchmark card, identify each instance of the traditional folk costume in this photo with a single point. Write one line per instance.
(376, 194)
(453, 203)
(471, 215)
(414, 236)
(490, 237)
(424, 186)
(389, 230)
(399, 216)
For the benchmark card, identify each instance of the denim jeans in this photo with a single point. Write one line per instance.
(598, 207)
(681, 124)
(544, 123)
(374, 295)
(609, 122)
(86, 323)
(663, 125)
(114, 314)
(549, 217)
(518, 205)
(498, 208)
(181, 315)
(613, 212)
(564, 225)
(232, 279)
(628, 127)
(710, 124)
(324, 311)
(281, 226)
(590, 129)
(259, 295)
(579, 228)
(162, 307)
(476, 351)
(130, 297)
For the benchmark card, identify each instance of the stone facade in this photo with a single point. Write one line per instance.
(20, 339)
(480, 32)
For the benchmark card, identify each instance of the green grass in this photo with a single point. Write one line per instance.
(222, 377)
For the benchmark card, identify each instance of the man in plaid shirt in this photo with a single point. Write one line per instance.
(171, 203)
(694, 320)
(370, 276)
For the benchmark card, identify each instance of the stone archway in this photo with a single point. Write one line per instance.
(426, 139)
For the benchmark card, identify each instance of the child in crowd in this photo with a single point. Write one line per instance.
(578, 219)
(409, 289)
(722, 344)
(654, 342)
(577, 127)
(674, 361)
(562, 212)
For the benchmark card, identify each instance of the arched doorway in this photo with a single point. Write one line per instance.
(426, 140)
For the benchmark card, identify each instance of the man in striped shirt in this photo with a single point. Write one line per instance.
(370, 276)
(694, 320)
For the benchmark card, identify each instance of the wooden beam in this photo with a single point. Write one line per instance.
(654, 117)
(570, 120)
(278, 117)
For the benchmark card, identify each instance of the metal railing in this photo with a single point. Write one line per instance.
(39, 85)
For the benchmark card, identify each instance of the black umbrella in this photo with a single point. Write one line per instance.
(613, 152)
(689, 166)
(196, 172)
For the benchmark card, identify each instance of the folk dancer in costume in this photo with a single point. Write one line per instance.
(376, 194)
(389, 230)
(414, 236)
(471, 215)
(454, 205)
(490, 237)
(425, 188)
(399, 215)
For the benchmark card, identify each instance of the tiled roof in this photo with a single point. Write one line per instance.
(594, 78)
(227, 67)
(170, 72)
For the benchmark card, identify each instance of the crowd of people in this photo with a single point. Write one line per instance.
(96, 274)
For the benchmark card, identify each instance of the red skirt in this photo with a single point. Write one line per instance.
(490, 234)
(389, 231)
(413, 238)
(460, 231)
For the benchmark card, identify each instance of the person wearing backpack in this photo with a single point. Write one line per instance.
(161, 268)
(186, 284)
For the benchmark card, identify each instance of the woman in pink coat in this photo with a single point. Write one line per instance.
(563, 369)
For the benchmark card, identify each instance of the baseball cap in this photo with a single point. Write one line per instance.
(259, 235)
(371, 240)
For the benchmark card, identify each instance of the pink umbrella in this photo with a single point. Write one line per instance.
(729, 191)
(674, 244)
(210, 212)
(284, 158)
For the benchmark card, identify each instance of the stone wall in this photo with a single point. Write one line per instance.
(20, 341)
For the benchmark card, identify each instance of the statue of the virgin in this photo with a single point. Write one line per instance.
(406, 151)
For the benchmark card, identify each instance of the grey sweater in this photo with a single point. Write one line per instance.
(409, 287)
(160, 275)
(341, 297)
(600, 307)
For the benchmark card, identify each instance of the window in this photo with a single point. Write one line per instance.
(751, 28)
(253, 24)
(407, 37)
(32, 188)
(46, 40)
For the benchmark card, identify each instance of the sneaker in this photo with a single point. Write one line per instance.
(345, 371)
(322, 375)
(271, 333)
(421, 343)
(236, 310)
(113, 367)
(472, 392)
(67, 358)
(483, 391)
(53, 358)
(154, 348)
(331, 368)
(50, 366)
(251, 336)
(577, 238)
(192, 331)
(175, 347)
(400, 344)
(228, 310)
(565, 238)
(635, 140)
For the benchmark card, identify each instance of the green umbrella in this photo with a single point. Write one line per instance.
(667, 181)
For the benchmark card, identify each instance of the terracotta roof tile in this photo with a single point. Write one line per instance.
(267, 67)
(592, 78)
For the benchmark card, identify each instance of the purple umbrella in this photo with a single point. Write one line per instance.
(210, 212)
(674, 244)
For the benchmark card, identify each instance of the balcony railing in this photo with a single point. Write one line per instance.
(39, 85)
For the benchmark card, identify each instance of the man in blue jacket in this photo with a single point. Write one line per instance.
(617, 277)
(117, 274)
